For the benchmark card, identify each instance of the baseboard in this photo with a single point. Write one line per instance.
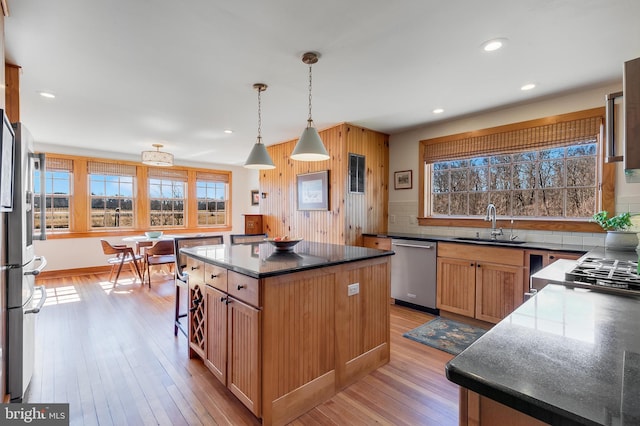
(432, 311)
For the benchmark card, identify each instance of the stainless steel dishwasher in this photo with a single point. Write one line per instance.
(413, 274)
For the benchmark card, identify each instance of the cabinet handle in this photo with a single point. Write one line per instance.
(193, 268)
(471, 264)
(214, 276)
(241, 286)
(552, 257)
(227, 301)
(222, 299)
(478, 265)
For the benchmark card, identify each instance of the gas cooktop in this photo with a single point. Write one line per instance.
(606, 274)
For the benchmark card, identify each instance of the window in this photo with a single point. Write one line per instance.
(556, 182)
(115, 197)
(542, 169)
(112, 198)
(212, 190)
(57, 178)
(167, 190)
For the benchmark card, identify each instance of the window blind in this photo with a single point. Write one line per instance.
(212, 177)
(158, 173)
(499, 140)
(59, 164)
(110, 169)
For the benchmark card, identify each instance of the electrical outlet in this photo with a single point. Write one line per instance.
(353, 289)
(392, 218)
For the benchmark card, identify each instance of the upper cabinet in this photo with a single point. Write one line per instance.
(345, 215)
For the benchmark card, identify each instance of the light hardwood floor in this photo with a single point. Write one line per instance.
(112, 355)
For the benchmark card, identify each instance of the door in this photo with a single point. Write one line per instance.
(244, 346)
(216, 359)
(456, 286)
(498, 291)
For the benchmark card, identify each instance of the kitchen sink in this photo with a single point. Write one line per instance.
(489, 240)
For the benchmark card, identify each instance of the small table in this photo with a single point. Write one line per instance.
(144, 241)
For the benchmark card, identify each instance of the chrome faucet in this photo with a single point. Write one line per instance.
(491, 217)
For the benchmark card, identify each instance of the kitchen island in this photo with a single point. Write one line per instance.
(285, 331)
(566, 356)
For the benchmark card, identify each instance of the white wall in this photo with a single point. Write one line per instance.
(404, 148)
(71, 253)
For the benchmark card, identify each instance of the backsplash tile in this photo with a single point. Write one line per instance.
(404, 212)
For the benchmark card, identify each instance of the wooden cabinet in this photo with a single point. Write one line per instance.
(233, 341)
(479, 282)
(253, 224)
(382, 243)
(478, 410)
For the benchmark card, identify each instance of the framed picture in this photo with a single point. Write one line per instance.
(312, 191)
(403, 179)
(255, 197)
(7, 143)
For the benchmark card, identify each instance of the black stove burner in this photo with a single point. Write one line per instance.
(610, 273)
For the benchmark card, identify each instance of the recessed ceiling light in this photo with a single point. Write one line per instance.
(47, 95)
(528, 86)
(228, 131)
(438, 111)
(494, 44)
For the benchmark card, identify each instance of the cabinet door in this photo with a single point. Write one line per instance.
(216, 360)
(498, 291)
(244, 347)
(456, 291)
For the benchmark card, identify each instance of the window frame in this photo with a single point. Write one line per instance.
(605, 180)
(80, 201)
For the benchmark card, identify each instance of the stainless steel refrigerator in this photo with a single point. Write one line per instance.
(22, 264)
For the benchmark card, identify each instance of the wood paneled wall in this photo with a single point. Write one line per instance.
(349, 214)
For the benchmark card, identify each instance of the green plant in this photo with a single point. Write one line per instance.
(616, 223)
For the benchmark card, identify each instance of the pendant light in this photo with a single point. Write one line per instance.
(259, 158)
(157, 157)
(310, 146)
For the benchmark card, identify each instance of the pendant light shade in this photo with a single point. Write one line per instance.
(310, 146)
(259, 158)
(157, 157)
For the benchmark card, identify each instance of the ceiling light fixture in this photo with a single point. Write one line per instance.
(310, 146)
(259, 158)
(157, 157)
(494, 44)
(47, 95)
(228, 131)
(527, 86)
(438, 111)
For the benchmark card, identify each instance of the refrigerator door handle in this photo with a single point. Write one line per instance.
(43, 221)
(43, 264)
(43, 299)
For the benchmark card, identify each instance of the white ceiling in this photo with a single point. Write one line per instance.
(129, 73)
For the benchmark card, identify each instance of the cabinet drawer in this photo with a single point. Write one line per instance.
(244, 288)
(215, 276)
(382, 243)
(195, 270)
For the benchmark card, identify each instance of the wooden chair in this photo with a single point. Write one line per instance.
(247, 238)
(181, 276)
(161, 253)
(123, 255)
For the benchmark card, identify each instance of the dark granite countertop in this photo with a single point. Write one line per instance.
(565, 357)
(262, 260)
(502, 243)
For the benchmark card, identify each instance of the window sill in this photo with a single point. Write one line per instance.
(55, 235)
(532, 224)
